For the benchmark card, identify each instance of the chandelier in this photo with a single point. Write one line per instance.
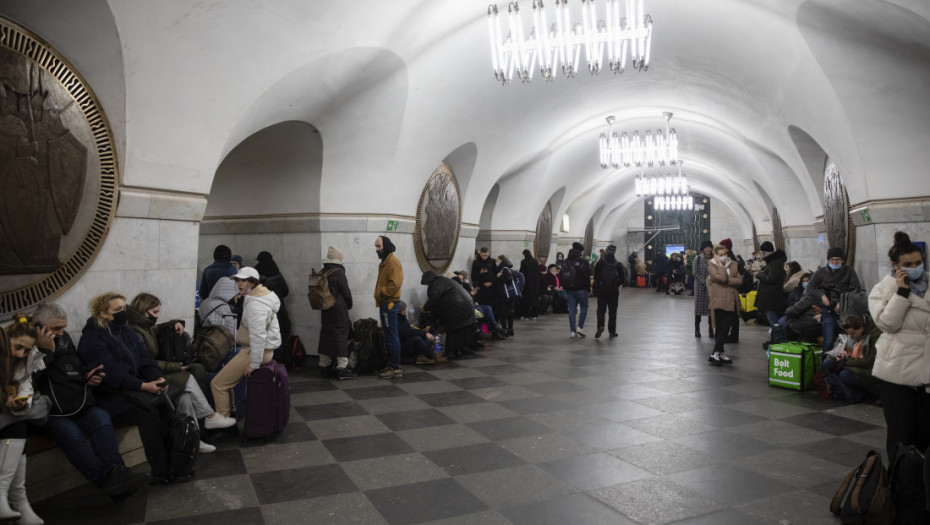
(673, 202)
(661, 185)
(649, 150)
(624, 30)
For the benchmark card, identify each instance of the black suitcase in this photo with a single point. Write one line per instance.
(183, 441)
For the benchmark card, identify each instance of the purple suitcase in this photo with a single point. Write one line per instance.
(267, 401)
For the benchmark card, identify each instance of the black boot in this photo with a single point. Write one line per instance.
(697, 326)
(710, 328)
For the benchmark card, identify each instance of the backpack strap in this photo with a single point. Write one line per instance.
(836, 505)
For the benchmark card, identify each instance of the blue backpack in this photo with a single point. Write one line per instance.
(512, 288)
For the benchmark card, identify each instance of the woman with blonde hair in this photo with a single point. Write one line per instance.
(724, 300)
(130, 371)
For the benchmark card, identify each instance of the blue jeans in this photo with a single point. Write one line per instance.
(488, 314)
(773, 316)
(389, 328)
(575, 298)
(829, 319)
(93, 459)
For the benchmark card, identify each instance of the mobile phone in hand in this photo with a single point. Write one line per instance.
(163, 384)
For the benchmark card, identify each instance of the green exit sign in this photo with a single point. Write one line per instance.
(392, 226)
(866, 216)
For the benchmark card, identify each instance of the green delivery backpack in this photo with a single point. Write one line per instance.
(793, 365)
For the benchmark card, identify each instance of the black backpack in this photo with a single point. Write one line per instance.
(568, 274)
(176, 347)
(908, 490)
(183, 441)
(292, 353)
(610, 278)
(367, 352)
(864, 495)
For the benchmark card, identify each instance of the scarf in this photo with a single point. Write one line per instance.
(387, 247)
(919, 286)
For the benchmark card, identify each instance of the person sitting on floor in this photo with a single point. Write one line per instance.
(452, 307)
(415, 342)
(849, 369)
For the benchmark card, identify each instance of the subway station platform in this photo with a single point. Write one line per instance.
(537, 429)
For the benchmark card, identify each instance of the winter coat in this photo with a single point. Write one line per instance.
(701, 295)
(723, 287)
(601, 286)
(903, 351)
(215, 310)
(390, 280)
(771, 294)
(148, 331)
(407, 332)
(582, 280)
(126, 361)
(530, 270)
(259, 318)
(834, 283)
(212, 274)
(22, 378)
(335, 322)
(793, 282)
(486, 294)
(448, 303)
(862, 366)
(661, 264)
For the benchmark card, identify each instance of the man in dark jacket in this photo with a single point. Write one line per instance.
(632, 260)
(575, 277)
(608, 279)
(661, 272)
(415, 342)
(770, 297)
(220, 268)
(832, 281)
(451, 306)
(484, 278)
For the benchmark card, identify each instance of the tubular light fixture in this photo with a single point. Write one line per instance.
(623, 151)
(624, 30)
(667, 184)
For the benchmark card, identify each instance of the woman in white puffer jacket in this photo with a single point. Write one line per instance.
(902, 361)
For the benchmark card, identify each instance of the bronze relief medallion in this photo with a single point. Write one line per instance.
(439, 221)
(58, 171)
(543, 242)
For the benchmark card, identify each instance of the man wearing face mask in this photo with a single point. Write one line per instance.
(771, 296)
(831, 282)
(387, 298)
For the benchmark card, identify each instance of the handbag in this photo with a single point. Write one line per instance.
(145, 400)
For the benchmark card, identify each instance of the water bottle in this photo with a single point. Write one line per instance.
(438, 347)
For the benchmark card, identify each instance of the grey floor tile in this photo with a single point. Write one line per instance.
(723, 517)
(721, 417)
(470, 383)
(593, 471)
(476, 412)
(375, 392)
(610, 436)
(537, 405)
(670, 426)
(448, 399)
(655, 501)
(829, 423)
(794, 507)
(488, 517)
(392, 404)
(419, 502)
(577, 509)
(285, 456)
(546, 447)
(445, 436)
(365, 447)
(724, 444)
(351, 508)
(470, 459)
(673, 404)
(730, 485)
(347, 427)
(198, 498)
(390, 471)
(514, 486)
(795, 468)
(838, 450)
(779, 432)
(507, 428)
(413, 419)
(664, 457)
(301, 483)
(331, 410)
(246, 515)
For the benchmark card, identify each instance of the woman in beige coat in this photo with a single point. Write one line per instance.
(900, 308)
(724, 305)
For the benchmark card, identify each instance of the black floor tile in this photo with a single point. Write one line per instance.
(426, 501)
(250, 515)
(508, 428)
(412, 419)
(365, 447)
(473, 458)
(576, 509)
(829, 423)
(86, 505)
(553, 387)
(448, 399)
(837, 450)
(420, 377)
(330, 411)
(375, 392)
(278, 486)
(537, 405)
(471, 383)
(499, 370)
(303, 387)
(220, 463)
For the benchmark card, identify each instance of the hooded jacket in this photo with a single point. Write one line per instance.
(834, 283)
(119, 349)
(903, 351)
(771, 294)
(862, 366)
(582, 278)
(723, 291)
(390, 275)
(448, 302)
(216, 307)
(149, 332)
(260, 320)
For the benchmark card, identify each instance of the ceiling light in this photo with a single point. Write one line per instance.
(625, 29)
(623, 151)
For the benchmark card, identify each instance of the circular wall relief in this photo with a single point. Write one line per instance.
(840, 234)
(777, 234)
(589, 238)
(439, 221)
(59, 174)
(543, 242)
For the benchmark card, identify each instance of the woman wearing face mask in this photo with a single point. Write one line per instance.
(724, 301)
(792, 276)
(108, 341)
(902, 362)
(143, 314)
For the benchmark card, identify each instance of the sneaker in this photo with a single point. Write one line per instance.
(600, 330)
(724, 358)
(714, 359)
(579, 332)
(206, 448)
(392, 373)
(509, 333)
(423, 360)
(614, 335)
(344, 374)
(217, 421)
(574, 335)
(440, 359)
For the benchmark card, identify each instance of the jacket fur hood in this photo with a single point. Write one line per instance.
(774, 256)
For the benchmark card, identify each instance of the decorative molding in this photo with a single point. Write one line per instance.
(438, 221)
(142, 203)
(48, 75)
(800, 232)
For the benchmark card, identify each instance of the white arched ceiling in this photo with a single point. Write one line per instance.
(395, 86)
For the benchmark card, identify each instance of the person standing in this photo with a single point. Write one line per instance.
(724, 300)
(832, 281)
(220, 268)
(387, 298)
(701, 295)
(901, 309)
(484, 278)
(529, 267)
(632, 260)
(771, 296)
(608, 279)
(335, 322)
(575, 277)
(270, 276)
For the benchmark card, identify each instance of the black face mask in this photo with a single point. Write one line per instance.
(151, 317)
(380, 253)
(120, 317)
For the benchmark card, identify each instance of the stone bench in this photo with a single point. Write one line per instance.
(49, 472)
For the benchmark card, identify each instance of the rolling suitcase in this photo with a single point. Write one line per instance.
(267, 401)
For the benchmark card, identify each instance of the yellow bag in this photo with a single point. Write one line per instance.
(748, 301)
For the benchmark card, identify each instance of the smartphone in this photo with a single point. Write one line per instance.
(22, 398)
(38, 324)
(97, 371)
(163, 384)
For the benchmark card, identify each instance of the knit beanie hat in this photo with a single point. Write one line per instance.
(611, 250)
(334, 254)
(706, 244)
(767, 247)
(835, 252)
(727, 243)
(578, 246)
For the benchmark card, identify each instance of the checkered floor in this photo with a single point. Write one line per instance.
(537, 429)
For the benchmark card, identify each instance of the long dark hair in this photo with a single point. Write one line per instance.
(902, 246)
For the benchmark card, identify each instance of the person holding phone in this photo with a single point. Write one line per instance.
(132, 381)
(900, 308)
(723, 300)
(831, 282)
